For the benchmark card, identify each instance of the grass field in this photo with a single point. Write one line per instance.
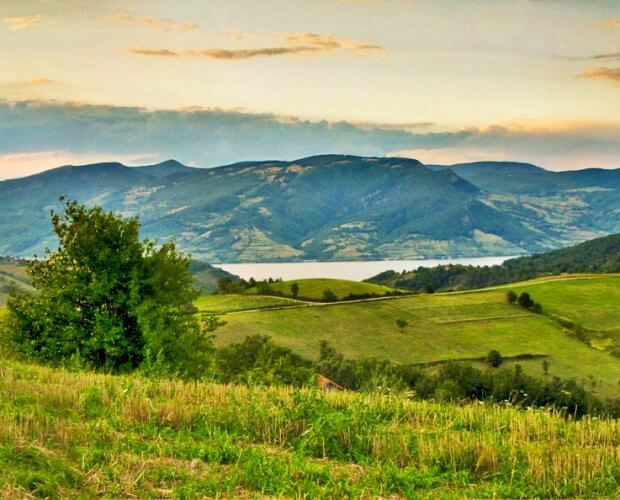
(83, 435)
(593, 302)
(313, 288)
(456, 325)
(221, 304)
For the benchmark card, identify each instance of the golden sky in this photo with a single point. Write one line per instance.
(518, 75)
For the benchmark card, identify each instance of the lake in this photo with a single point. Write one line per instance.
(356, 271)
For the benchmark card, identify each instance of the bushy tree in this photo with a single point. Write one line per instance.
(511, 297)
(401, 323)
(525, 300)
(105, 298)
(329, 296)
(494, 358)
(295, 289)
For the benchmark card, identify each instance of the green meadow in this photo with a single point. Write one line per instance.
(313, 288)
(456, 326)
(220, 304)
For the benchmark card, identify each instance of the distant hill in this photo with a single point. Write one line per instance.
(165, 169)
(601, 255)
(329, 207)
(206, 276)
(13, 274)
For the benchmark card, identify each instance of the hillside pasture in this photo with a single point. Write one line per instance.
(441, 327)
(222, 304)
(313, 288)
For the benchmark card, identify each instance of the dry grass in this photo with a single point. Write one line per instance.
(65, 433)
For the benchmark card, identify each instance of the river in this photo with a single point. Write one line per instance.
(356, 271)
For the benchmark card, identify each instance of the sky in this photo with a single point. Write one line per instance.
(211, 83)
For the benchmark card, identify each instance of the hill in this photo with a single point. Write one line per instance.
(330, 207)
(13, 273)
(314, 288)
(69, 434)
(601, 255)
(464, 325)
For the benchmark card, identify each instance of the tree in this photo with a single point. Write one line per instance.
(107, 300)
(511, 297)
(494, 358)
(429, 288)
(329, 296)
(525, 300)
(401, 323)
(295, 289)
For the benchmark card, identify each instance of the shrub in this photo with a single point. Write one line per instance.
(329, 296)
(525, 300)
(401, 323)
(511, 297)
(494, 358)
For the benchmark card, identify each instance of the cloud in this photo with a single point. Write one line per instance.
(292, 43)
(210, 137)
(613, 23)
(21, 23)
(224, 54)
(606, 74)
(23, 164)
(368, 125)
(160, 24)
(329, 42)
(612, 56)
(25, 84)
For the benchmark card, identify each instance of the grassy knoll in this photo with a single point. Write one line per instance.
(593, 302)
(313, 288)
(221, 304)
(443, 326)
(66, 434)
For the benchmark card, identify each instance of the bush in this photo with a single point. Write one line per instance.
(401, 323)
(494, 358)
(511, 297)
(329, 296)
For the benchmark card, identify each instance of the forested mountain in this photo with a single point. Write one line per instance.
(329, 207)
(601, 255)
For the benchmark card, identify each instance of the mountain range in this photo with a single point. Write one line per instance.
(329, 207)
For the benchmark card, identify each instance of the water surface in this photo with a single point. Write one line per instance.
(356, 271)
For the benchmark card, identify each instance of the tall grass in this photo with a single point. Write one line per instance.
(65, 433)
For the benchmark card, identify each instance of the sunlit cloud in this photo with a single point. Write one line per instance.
(291, 43)
(160, 24)
(611, 75)
(16, 23)
(369, 125)
(22, 84)
(611, 56)
(23, 164)
(329, 42)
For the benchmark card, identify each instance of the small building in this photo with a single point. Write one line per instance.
(327, 384)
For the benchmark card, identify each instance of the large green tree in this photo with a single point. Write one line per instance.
(109, 300)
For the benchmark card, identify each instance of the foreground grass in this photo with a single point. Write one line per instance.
(459, 325)
(312, 288)
(67, 434)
